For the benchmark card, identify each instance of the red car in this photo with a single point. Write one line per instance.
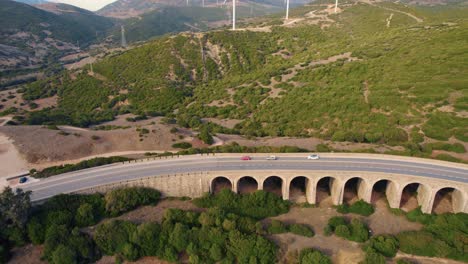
(246, 158)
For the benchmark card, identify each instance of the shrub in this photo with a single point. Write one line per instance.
(443, 236)
(313, 256)
(373, 257)
(122, 200)
(277, 227)
(111, 237)
(206, 136)
(387, 245)
(335, 221)
(301, 230)
(259, 204)
(360, 207)
(354, 231)
(182, 145)
(64, 255)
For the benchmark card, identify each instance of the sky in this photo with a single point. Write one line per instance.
(92, 5)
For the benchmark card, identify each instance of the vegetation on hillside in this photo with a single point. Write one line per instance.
(384, 89)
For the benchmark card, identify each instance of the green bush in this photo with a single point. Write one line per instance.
(64, 255)
(354, 231)
(373, 257)
(443, 236)
(182, 145)
(112, 237)
(259, 204)
(387, 245)
(360, 207)
(301, 230)
(277, 227)
(313, 256)
(126, 199)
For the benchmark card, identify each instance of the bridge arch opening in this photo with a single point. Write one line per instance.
(445, 200)
(324, 191)
(409, 196)
(220, 183)
(379, 191)
(352, 189)
(298, 189)
(247, 184)
(273, 184)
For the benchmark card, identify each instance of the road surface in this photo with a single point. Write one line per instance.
(86, 179)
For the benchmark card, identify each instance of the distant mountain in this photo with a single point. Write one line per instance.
(134, 8)
(31, 37)
(32, 2)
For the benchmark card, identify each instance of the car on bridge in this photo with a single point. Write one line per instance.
(272, 157)
(246, 158)
(313, 157)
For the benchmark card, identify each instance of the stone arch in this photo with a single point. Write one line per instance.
(273, 184)
(219, 183)
(325, 190)
(354, 189)
(384, 188)
(299, 189)
(413, 195)
(247, 184)
(448, 200)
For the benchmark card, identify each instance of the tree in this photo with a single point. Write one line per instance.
(205, 136)
(64, 255)
(14, 208)
(216, 252)
(179, 237)
(85, 215)
(147, 237)
(312, 256)
(386, 245)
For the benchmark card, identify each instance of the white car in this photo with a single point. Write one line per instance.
(313, 157)
(272, 158)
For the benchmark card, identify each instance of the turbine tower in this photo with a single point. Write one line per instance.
(336, 5)
(124, 40)
(233, 14)
(287, 9)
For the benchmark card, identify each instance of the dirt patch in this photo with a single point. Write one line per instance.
(145, 260)
(43, 147)
(425, 260)
(156, 213)
(27, 255)
(10, 159)
(228, 123)
(340, 250)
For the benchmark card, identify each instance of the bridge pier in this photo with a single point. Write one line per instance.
(393, 194)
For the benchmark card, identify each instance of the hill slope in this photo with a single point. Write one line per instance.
(32, 2)
(32, 37)
(134, 8)
(378, 73)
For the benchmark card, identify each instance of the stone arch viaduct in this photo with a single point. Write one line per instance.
(336, 182)
(285, 179)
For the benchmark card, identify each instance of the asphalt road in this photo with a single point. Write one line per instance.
(85, 179)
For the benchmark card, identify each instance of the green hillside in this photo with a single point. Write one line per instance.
(346, 77)
(71, 26)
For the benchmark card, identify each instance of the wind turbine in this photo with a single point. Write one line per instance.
(233, 14)
(336, 5)
(287, 9)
